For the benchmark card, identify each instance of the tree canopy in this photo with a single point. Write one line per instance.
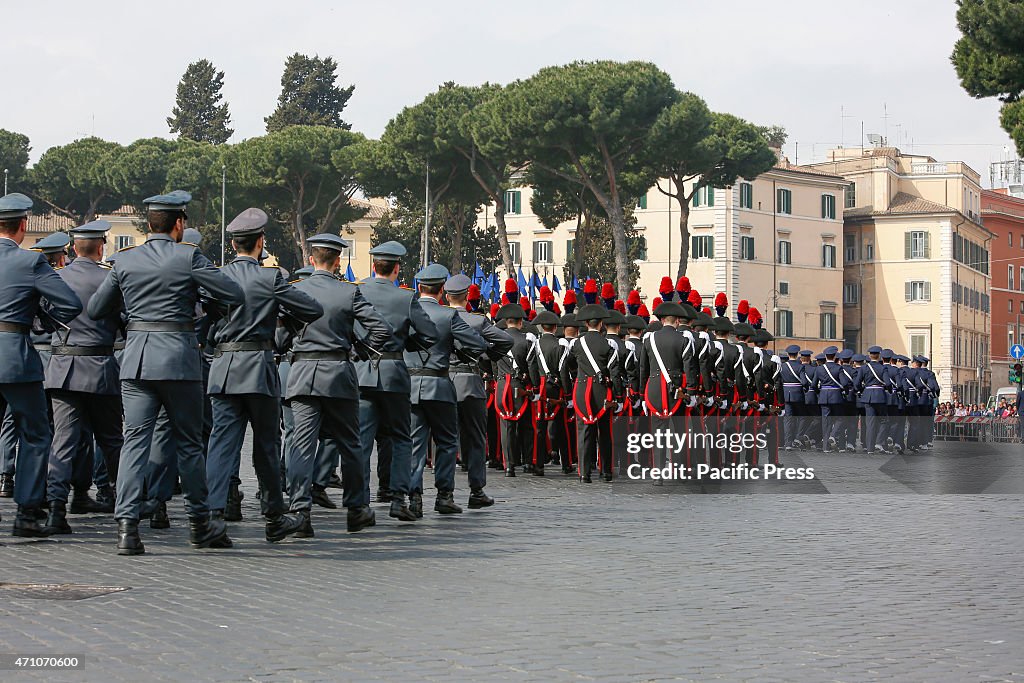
(14, 149)
(309, 95)
(989, 57)
(198, 112)
(74, 179)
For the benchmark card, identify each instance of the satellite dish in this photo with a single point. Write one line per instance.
(875, 139)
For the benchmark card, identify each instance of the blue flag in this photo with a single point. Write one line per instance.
(478, 274)
(485, 289)
(555, 284)
(495, 286)
(544, 281)
(349, 275)
(575, 283)
(523, 285)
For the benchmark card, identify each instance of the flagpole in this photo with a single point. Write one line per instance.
(426, 221)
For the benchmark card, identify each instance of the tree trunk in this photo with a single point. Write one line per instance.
(684, 235)
(302, 248)
(617, 219)
(579, 247)
(499, 221)
(455, 220)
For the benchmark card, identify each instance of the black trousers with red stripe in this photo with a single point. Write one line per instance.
(594, 444)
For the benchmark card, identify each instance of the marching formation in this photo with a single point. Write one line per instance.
(144, 370)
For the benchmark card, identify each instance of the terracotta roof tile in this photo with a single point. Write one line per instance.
(901, 204)
(48, 223)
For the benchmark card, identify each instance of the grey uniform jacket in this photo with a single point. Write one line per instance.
(452, 332)
(469, 383)
(28, 283)
(91, 374)
(266, 293)
(333, 333)
(399, 307)
(159, 281)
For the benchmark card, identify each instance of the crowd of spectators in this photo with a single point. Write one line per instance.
(958, 409)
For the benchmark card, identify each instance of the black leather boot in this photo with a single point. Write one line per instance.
(280, 527)
(478, 499)
(26, 523)
(106, 498)
(416, 504)
(82, 503)
(233, 510)
(445, 504)
(335, 481)
(384, 495)
(510, 472)
(360, 517)
(57, 520)
(128, 540)
(306, 530)
(160, 520)
(400, 511)
(320, 497)
(204, 532)
(6, 485)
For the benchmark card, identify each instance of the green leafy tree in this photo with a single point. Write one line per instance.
(593, 118)
(692, 148)
(14, 149)
(74, 180)
(414, 143)
(140, 170)
(196, 167)
(309, 95)
(303, 177)
(198, 112)
(989, 57)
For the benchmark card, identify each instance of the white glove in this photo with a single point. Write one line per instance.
(708, 402)
(723, 405)
(692, 403)
(760, 406)
(743, 406)
(568, 405)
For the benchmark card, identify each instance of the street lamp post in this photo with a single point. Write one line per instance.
(223, 209)
(6, 172)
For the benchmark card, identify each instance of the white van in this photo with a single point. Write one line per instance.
(1009, 393)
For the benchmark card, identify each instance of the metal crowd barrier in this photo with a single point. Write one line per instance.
(987, 429)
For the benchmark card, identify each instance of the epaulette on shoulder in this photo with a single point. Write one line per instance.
(105, 266)
(478, 313)
(189, 244)
(271, 267)
(60, 268)
(122, 249)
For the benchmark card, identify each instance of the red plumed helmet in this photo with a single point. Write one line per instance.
(720, 300)
(620, 306)
(474, 292)
(743, 307)
(643, 312)
(511, 286)
(666, 284)
(530, 315)
(545, 294)
(657, 302)
(707, 310)
(590, 287)
(754, 316)
(494, 309)
(683, 284)
(695, 298)
(634, 298)
(570, 297)
(525, 303)
(607, 291)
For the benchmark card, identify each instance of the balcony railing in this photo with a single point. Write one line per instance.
(928, 168)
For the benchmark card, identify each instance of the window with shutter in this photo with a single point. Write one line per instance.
(710, 195)
(569, 256)
(746, 196)
(514, 252)
(642, 203)
(513, 201)
(908, 292)
(696, 194)
(828, 206)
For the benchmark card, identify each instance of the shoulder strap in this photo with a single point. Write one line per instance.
(661, 363)
(590, 356)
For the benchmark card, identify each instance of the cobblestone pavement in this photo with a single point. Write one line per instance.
(563, 581)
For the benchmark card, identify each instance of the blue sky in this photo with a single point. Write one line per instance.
(110, 68)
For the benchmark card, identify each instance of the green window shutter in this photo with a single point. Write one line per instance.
(696, 194)
(711, 195)
(693, 247)
(927, 245)
(568, 251)
(711, 247)
(907, 240)
(642, 204)
(518, 201)
(824, 206)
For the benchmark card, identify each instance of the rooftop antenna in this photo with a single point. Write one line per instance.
(885, 121)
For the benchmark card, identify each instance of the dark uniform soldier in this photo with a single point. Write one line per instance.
(873, 386)
(598, 381)
(811, 433)
(792, 372)
(244, 384)
(82, 380)
(830, 382)
(512, 393)
(323, 386)
(471, 390)
(158, 284)
(29, 285)
(566, 428)
(434, 412)
(384, 383)
(550, 399)
(664, 362)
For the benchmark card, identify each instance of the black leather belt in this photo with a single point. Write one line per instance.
(42, 347)
(462, 369)
(391, 355)
(319, 355)
(119, 346)
(148, 326)
(17, 328)
(229, 347)
(427, 372)
(82, 351)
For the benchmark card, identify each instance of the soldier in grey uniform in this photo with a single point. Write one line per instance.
(29, 285)
(82, 380)
(384, 383)
(244, 384)
(8, 454)
(432, 393)
(471, 392)
(322, 386)
(158, 284)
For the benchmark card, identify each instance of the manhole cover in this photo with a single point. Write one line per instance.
(55, 591)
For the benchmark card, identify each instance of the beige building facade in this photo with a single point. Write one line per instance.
(917, 263)
(774, 241)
